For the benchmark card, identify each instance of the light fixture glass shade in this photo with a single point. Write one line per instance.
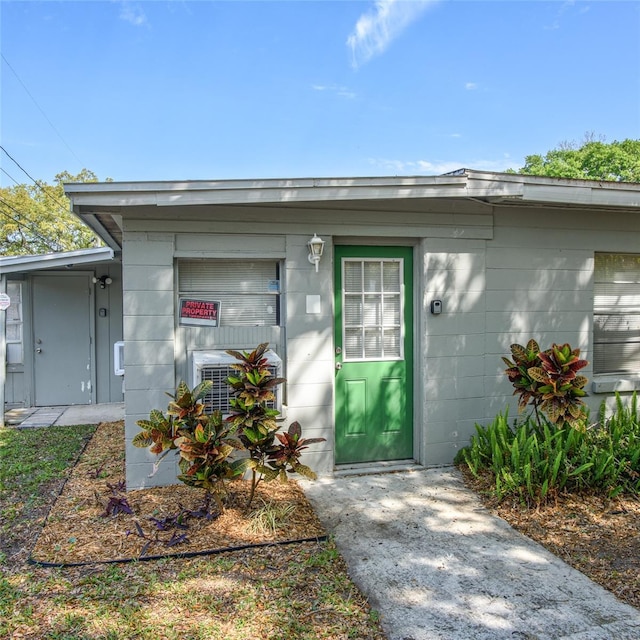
(316, 247)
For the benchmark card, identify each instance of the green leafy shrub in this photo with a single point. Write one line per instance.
(271, 454)
(549, 381)
(206, 442)
(536, 461)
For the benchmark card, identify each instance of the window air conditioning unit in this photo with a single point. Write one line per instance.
(216, 366)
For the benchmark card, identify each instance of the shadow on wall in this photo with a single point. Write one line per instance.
(494, 296)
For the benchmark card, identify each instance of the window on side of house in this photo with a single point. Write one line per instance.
(616, 322)
(14, 324)
(248, 291)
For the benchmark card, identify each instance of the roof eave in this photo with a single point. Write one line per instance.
(65, 259)
(113, 194)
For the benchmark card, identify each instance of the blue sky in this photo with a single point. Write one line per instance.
(152, 90)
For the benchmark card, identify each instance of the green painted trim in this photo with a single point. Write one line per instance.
(385, 252)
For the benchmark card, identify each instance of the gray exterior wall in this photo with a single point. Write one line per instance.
(504, 275)
(20, 378)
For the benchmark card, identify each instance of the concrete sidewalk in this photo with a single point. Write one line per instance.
(77, 414)
(437, 565)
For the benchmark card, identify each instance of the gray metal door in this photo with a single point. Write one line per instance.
(62, 340)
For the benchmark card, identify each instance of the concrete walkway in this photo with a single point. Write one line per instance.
(437, 565)
(76, 414)
(432, 560)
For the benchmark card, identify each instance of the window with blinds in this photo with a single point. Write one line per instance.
(616, 320)
(372, 309)
(248, 291)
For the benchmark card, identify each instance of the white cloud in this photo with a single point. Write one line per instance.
(564, 8)
(436, 168)
(133, 13)
(376, 29)
(471, 86)
(343, 92)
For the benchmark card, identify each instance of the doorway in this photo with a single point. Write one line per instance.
(62, 322)
(374, 353)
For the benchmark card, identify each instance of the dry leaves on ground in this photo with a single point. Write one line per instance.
(597, 536)
(89, 522)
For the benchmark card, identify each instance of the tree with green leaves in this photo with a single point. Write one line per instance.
(37, 219)
(592, 160)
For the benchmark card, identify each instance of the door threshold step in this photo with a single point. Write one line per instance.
(374, 468)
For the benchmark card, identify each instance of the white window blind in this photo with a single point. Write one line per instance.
(616, 320)
(248, 291)
(372, 309)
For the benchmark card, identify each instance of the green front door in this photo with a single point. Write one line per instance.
(374, 353)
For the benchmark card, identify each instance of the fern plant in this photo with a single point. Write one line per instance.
(536, 462)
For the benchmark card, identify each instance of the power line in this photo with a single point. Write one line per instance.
(21, 224)
(9, 176)
(24, 86)
(36, 182)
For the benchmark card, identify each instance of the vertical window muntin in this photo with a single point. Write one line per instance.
(372, 309)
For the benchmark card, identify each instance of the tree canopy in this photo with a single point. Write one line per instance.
(37, 219)
(593, 160)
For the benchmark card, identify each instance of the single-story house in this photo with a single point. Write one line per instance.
(387, 302)
(64, 316)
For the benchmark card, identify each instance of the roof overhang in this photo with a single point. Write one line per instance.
(103, 205)
(65, 259)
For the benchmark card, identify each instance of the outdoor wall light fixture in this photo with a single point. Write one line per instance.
(103, 281)
(316, 247)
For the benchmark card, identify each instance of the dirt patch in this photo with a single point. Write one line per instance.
(89, 521)
(597, 536)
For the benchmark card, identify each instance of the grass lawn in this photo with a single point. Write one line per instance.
(277, 592)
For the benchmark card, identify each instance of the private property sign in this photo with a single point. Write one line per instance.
(199, 312)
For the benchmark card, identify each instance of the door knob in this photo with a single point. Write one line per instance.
(38, 350)
(338, 365)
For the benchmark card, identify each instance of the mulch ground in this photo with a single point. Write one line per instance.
(597, 536)
(89, 521)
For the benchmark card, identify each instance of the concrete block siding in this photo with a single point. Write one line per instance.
(510, 256)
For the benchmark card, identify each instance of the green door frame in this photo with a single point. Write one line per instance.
(374, 395)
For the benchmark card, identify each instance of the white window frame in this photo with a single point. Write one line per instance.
(400, 327)
(14, 318)
(616, 309)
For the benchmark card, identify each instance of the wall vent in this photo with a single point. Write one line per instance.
(216, 366)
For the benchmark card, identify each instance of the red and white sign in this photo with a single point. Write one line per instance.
(199, 312)
(5, 301)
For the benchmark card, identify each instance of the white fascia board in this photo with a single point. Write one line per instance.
(324, 194)
(548, 190)
(468, 184)
(16, 264)
(261, 191)
(601, 195)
